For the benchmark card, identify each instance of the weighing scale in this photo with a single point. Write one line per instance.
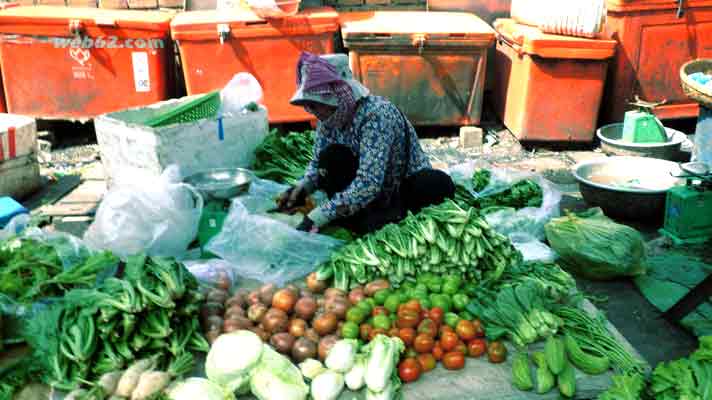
(688, 209)
(641, 125)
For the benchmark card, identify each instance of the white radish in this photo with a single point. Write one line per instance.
(129, 379)
(150, 383)
(76, 394)
(109, 381)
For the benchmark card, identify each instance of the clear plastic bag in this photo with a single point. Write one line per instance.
(158, 216)
(267, 250)
(210, 272)
(532, 249)
(70, 249)
(242, 90)
(15, 227)
(527, 220)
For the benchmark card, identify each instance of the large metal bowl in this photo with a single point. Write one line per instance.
(611, 143)
(629, 188)
(221, 183)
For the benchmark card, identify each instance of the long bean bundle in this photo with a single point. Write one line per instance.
(442, 239)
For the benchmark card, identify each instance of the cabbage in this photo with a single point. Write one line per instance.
(276, 378)
(355, 377)
(311, 368)
(231, 359)
(342, 355)
(327, 386)
(198, 388)
(390, 392)
(383, 355)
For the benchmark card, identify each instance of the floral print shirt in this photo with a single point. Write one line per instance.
(388, 150)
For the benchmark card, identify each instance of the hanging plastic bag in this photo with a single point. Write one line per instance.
(267, 250)
(242, 90)
(158, 216)
(508, 220)
(595, 247)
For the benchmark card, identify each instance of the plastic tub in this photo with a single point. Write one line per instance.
(610, 136)
(549, 87)
(429, 64)
(216, 45)
(45, 76)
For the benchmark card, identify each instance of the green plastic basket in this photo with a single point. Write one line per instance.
(203, 107)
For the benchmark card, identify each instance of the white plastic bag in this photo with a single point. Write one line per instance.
(267, 250)
(528, 220)
(158, 216)
(210, 272)
(16, 225)
(242, 90)
(532, 249)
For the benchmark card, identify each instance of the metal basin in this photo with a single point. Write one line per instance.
(630, 188)
(221, 183)
(610, 136)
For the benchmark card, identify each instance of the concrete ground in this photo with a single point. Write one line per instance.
(72, 197)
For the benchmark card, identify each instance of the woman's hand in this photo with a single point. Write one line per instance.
(293, 197)
(307, 225)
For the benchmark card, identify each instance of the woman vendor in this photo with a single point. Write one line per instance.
(367, 157)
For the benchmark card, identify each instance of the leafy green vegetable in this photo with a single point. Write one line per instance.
(283, 158)
(525, 193)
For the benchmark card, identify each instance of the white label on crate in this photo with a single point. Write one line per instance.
(140, 70)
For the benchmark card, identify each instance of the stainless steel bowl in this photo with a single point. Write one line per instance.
(630, 188)
(221, 183)
(611, 143)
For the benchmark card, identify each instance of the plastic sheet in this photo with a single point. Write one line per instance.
(267, 250)
(158, 216)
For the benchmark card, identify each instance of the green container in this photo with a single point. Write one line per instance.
(643, 127)
(687, 215)
(203, 107)
(211, 221)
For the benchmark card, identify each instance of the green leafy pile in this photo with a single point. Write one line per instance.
(17, 374)
(152, 311)
(30, 270)
(525, 193)
(628, 386)
(283, 158)
(686, 378)
(444, 239)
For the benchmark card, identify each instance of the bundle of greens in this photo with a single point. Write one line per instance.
(554, 283)
(152, 311)
(15, 375)
(30, 270)
(629, 386)
(283, 158)
(525, 193)
(686, 378)
(518, 310)
(442, 239)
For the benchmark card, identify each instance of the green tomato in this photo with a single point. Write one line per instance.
(356, 314)
(451, 319)
(454, 279)
(421, 287)
(433, 296)
(369, 321)
(365, 306)
(435, 285)
(441, 302)
(349, 330)
(450, 288)
(417, 294)
(392, 303)
(370, 302)
(382, 321)
(423, 279)
(460, 301)
(425, 302)
(466, 315)
(408, 285)
(380, 296)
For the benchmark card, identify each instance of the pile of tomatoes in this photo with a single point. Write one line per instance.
(429, 339)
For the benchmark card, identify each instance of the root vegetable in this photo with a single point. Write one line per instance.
(303, 349)
(210, 309)
(325, 324)
(254, 297)
(256, 312)
(334, 292)
(312, 335)
(264, 335)
(150, 383)
(109, 381)
(297, 327)
(305, 308)
(234, 311)
(294, 289)
(235, 300)
(375, 286)
(236, 324)
(77, 394)
(267, 293)
(129, 379)
(325, 344)
(224, 282)
(314, 284)
(218, 296)
(275, 321)
(284, 300)
(213, 323)
(282, 342)
(338, 306)
(357, 294)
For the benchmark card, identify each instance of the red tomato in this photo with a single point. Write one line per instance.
(438, 351)
(379, 310)
(477, 347)
(496, 352)
(409, 370)
(424, 314)
(410, 353)
(461, 347)
(479, 328)
(445, 328)
(376, 332)
(465, 330)
(407, 335)
(413, 305)
(407, 318)
(453, 360)
(423, 343)
(427, 362)
(428, 327)
(448, 341)
(437, 315)
(393, 332)
(365, 331)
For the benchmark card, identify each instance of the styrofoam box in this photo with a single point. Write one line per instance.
(18, 136)
(129, 148)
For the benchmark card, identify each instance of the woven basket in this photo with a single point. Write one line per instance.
(694, 90)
